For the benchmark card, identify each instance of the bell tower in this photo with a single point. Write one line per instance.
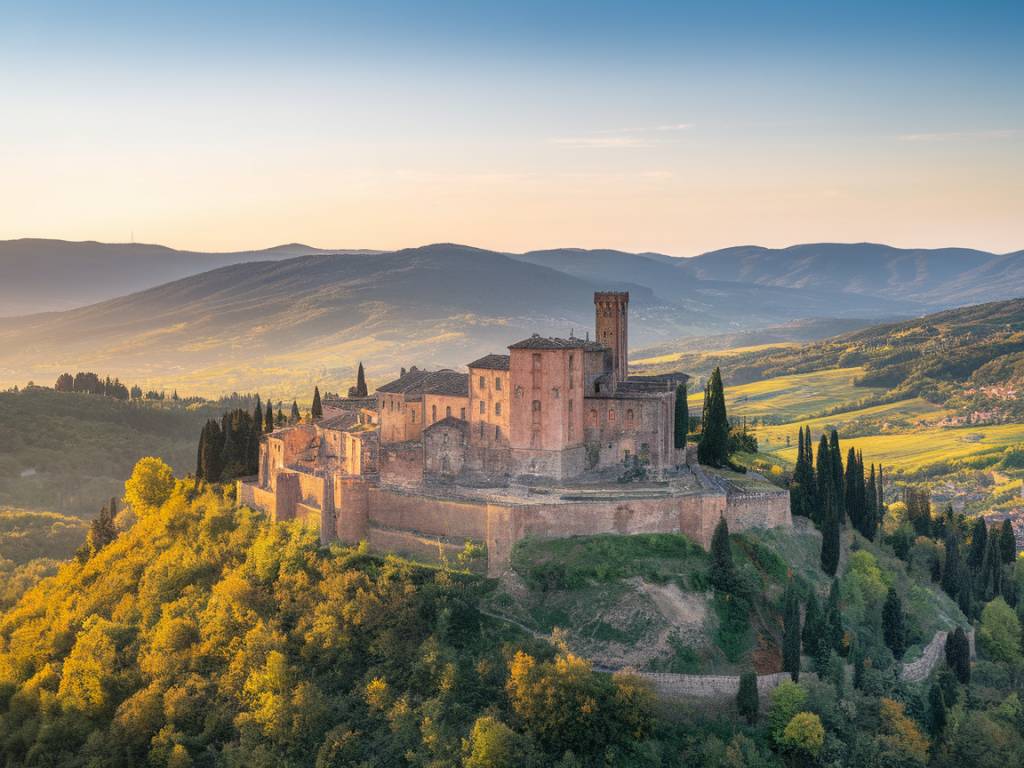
(611, 311)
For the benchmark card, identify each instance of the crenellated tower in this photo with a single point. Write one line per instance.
(611, 310)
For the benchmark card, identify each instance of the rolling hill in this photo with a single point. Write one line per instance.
(41, 275)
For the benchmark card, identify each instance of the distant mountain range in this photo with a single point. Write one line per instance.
(39, 275)
(282, 319)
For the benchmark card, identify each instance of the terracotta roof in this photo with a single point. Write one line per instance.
(342, 421)
(492, 362)
(417, 382)
(553, 342)
(449, 421)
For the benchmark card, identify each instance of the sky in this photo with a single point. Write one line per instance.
(674, 127)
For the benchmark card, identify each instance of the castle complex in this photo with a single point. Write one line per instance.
(537, 442)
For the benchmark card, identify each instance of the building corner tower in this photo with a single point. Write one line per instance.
(611, 310)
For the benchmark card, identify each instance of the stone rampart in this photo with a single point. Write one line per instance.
(451, 518)
(414, 545)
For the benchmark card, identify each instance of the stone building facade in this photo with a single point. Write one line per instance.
(524, 444)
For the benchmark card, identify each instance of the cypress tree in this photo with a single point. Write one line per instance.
(201, 449)
(870, 518)
(979, 542)
(791, 634)
(825, 481)
(713, 449)
(881, 495)
(280, 416)
(746, 698)
(858, 668)
(796, 489)
(318, 409)
(682, 417)
(830, 537)
(837, 477)
(894, 630)
(813, 629)
(212, 446)
(252, 442)
(951, 566)
(257, 414)
(833, 619)
(1007, 542)
(936, 710)
(965, 595)
(991, 570)
(852, 488)
(958, 655)
(102, 529)
(268, 418)
(361, 390)
(296, 416)
(722, 573)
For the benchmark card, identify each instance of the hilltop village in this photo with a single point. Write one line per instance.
(530, 443)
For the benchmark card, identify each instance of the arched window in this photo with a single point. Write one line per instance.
(448, 411)
(629, 416)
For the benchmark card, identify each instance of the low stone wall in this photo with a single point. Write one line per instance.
(931, 656)
(410, 544)
(671, 686)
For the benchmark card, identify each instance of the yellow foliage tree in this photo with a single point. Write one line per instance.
(900, 734)
(804, 733)
(150, 485)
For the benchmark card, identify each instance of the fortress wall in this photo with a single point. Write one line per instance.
(308, 515)
(757, 510)
(287, 494)
(410, 544)
(457, 520)
(244, 494)
(401, 464)
(351, 500)
(311, 489)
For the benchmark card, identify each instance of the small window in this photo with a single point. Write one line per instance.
(497, 383)
(433, 413)
(448, 411)
(413, 416)
(536, 411)
(593, 416)
(481, 430)
(462, 414)
(497, 409)
(497, 433)
(483, 407)
(611, 415)
(629, 415)
(483, 382)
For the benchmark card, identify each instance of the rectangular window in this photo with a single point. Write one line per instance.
(483, 383)
(536, 370)
(483, 407)
(497, 383)
(572, 371)
(497, 433)
(497, 409)
(433, 413)
(535, 412)
(448, 411)
(462, 414)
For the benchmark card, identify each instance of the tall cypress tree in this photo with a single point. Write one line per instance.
(722, 572)
(257, 414)
(979, 543)
(713, 449)
(830, 537)
(1007, 542)
(200, 450)
(318, 409)
(268, 418)
(851, 487)
(682, 417)
(791, 633)
(813, 630)
(837, 477)
(951, 566)
(832, 622)
(746, 698)
(869, 522)
(825, 481)
(958, 655)
(894, 630)
(296, 416)
(361, 390)
(936, 710)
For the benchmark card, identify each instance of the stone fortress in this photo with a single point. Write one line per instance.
(532, 443)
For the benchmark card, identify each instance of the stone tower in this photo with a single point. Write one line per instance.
(611, 309)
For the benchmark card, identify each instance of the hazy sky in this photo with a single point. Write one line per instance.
(677, 127)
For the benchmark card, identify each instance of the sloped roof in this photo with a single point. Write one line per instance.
(553, 342)
(492, 362)
(342, 421)
(417, 382)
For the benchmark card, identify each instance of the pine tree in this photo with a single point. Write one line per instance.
(1008, 542)
(936, 710)
(746, 698)
(722, 573)
(813, 629)
(318, 409)
(296, 416)
(361, 390)
(958, 655)
(682, 417)
(830, 537)
(951, 566)
(837, 477)
(894, 630)
(791, 633)
(713, 449)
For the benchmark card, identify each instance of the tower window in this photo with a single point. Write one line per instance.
(497, 433)
(462, 414)
(535, 409)
(433, 413)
